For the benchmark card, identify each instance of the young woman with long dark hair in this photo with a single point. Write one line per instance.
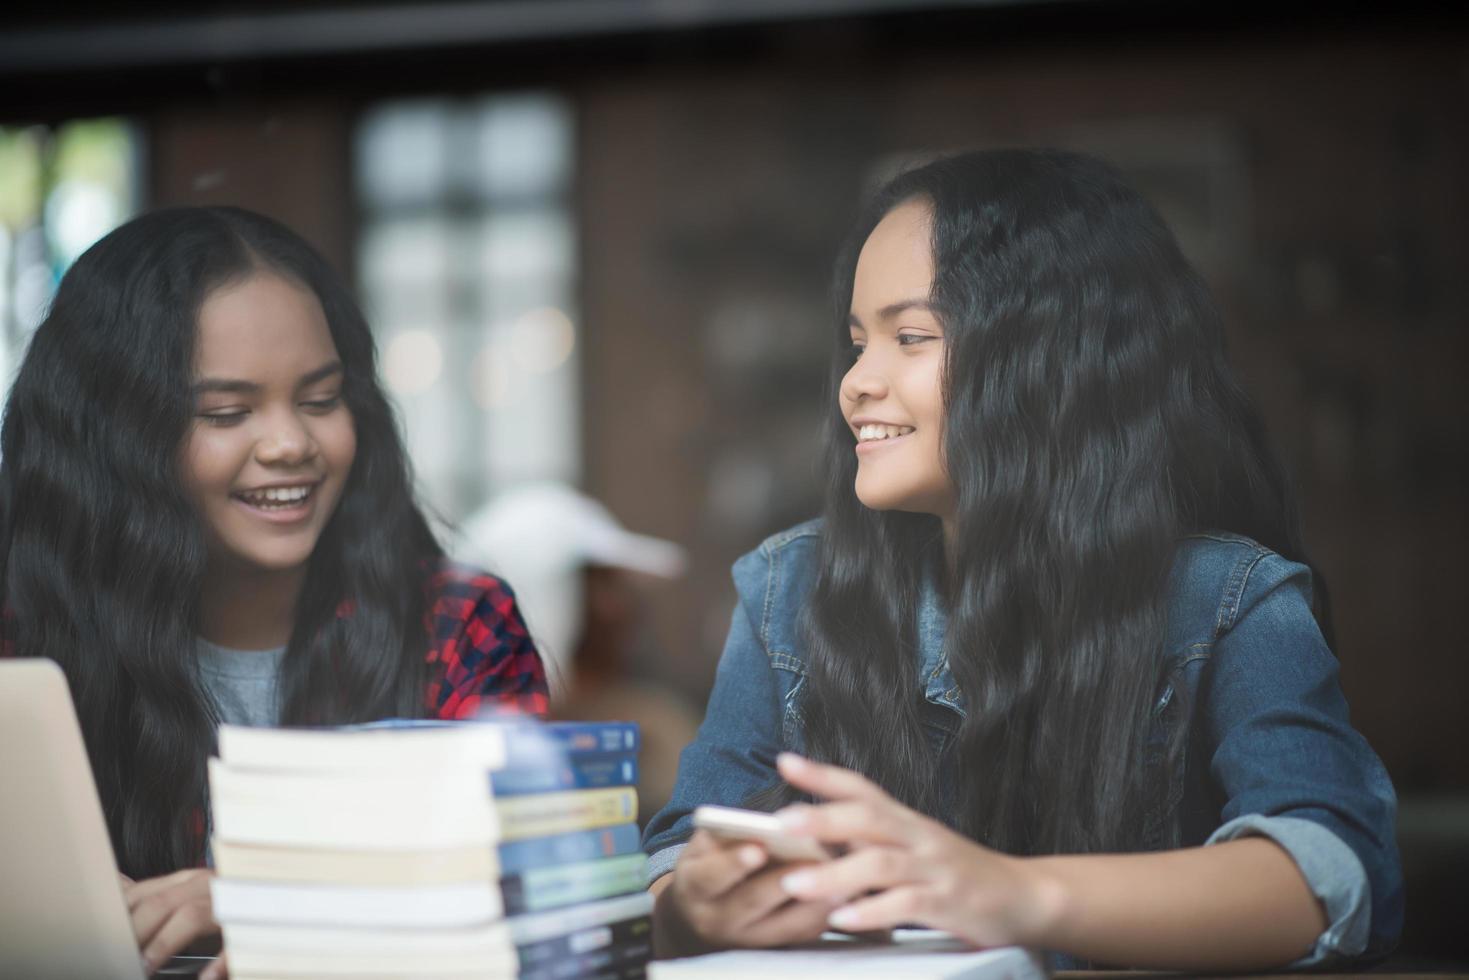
(206, 515)
(1050, 661)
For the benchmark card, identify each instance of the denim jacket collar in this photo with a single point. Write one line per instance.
(939, 686)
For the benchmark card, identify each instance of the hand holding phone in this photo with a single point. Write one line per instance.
(764, 829)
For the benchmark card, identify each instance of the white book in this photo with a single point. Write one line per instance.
(309, 974)
(539, 926)
(354, 963)
(428, 788)
(487, 938)
(335, 866)
(376, 749)
(321, 810)
(439, 906)
(913, 955)
(382, 828)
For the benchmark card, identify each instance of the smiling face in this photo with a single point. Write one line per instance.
(892, 397)
(272, 442)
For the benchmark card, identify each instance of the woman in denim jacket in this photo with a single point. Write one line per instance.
(1054, 642)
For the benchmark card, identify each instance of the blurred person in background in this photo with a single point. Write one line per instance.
(579, 577)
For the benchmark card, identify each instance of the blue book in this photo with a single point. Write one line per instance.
(571, 737)
(527, 741)
(591, 951)
(559, 885)
(519, 856)
(571, 772)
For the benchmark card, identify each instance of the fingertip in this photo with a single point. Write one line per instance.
(798, 882)
(791, 762)
(796, 817)
(751, 856)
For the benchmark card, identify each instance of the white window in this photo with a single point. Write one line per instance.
(466, 269)
(61, 189)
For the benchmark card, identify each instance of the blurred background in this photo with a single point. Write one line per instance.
(594, 239)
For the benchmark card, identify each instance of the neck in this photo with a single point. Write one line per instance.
(249, 609)
(951, 550)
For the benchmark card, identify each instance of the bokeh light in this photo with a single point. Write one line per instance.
(413, 362)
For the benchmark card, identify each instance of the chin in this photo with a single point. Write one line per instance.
(275, 561)
(911, 500)
(879, 500)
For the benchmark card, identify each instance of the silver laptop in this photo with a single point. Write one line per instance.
(62, 913)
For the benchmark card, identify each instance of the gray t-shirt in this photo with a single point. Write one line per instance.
(242, 683)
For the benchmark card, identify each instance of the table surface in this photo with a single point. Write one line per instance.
(1126, 974)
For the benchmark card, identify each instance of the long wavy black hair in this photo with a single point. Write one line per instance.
(102, 555)
(1091, 421)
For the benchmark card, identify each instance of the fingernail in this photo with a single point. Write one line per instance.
(844, 918)
(752, 857)
(797, 882)
(794, 818)
(790, 759)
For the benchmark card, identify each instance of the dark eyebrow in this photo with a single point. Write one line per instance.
(320, 374)
(893, 309)
(225, 385)
(235, 386)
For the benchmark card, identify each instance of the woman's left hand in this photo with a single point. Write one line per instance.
(917, 870)
(171, 913)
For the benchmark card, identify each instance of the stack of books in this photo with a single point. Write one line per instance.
(430, 849)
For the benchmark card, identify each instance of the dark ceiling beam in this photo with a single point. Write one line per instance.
(189, 39)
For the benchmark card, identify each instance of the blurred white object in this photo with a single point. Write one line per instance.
(538, 537)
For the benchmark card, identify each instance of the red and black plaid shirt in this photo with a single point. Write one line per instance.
(479, 642)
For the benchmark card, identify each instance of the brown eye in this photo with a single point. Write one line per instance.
(323, 404)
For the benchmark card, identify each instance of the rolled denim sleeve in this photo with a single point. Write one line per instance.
(662, 861)
(1332, 871)
(733, 754)
(1290, 765)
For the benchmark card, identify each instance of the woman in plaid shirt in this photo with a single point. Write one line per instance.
(201, 469)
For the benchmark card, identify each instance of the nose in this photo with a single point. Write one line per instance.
(865, 379)
(286, 441)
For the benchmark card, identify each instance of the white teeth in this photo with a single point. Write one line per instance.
(874, 432)
(276, 496)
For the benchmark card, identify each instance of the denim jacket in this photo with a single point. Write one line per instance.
(1270, 750)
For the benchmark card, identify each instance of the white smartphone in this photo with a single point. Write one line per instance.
(761, 828)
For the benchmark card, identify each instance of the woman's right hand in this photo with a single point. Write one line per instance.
(725, 893)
